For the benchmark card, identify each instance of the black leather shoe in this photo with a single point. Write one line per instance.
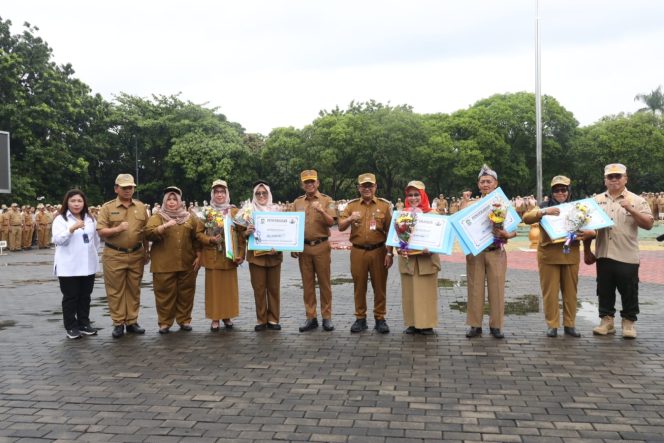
(186, 328)
(474, 331)
(311, 323)
(410, 330)
(359, 325)
(570, 330)
(327, 325)
(496, 333)
(381, 326)
(118, 331)
(552, 332)
(427, 331)
(259, 328)
(135, 329)
(274, 326)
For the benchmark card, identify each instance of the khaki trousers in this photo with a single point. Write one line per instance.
(315, 264)
(122, 278)
(42, 236)
(174, 296)
(266, 282)
(4, 236)
(488, 267)
(26, 238)
(363, 264)
(553, 279)
(15, 238)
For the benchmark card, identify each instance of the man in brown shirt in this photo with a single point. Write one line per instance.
(617, 251)
(121, 224)
(316, 258)
(15, 227)
(370, 218)
(4, 224)
(42, 221)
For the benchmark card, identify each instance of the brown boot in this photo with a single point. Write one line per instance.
(605, 327)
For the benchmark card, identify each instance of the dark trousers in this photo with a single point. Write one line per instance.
(624, 277)
(76, 300)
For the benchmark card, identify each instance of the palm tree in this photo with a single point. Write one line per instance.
(654, 101)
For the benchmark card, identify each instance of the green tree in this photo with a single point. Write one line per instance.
(654, 101)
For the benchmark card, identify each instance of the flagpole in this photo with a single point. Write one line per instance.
(538, 104)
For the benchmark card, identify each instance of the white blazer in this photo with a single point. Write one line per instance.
(74, 257)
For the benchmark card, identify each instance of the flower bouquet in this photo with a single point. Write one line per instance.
(497, 215)
(213, 221)
(404, 225)
(576, 218)
(245, 216)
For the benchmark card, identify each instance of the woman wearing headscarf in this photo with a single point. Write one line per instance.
(222, 301)
(176, 258)
(559, 271)
(265, 268)
(419, 274)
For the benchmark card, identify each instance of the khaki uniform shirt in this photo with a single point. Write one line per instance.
(113, 213)
(620, 242)
(378, 210)
(15, 218)
(27, 221)
(175, 249)
(268, 260)
(4, 222)
(315, 225)
(43, 219)
(551, 251)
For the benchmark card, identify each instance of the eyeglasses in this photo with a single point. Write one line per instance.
(614, 176)
(260, 193)
(413, 195)
(219, 191)
(559, 190)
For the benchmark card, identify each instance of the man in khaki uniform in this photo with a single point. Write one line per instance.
(370, 218)
(617, 251)
(660, 206)
(121, 224)
(442, 205)
(4, 224)
(15, 227)
(316, 258)
(486, 268)
(28, 228)
(42, 221)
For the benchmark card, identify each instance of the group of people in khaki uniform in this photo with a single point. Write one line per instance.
(181, 244)
(18, 226)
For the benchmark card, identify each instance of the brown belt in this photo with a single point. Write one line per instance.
(125, 250)
(315, 242)
(369, 247)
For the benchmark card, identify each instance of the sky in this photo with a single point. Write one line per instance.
(274, 63)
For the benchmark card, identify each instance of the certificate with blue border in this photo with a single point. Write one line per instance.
(472, 224)
(281, 231)
(556, 225)
(431, 231)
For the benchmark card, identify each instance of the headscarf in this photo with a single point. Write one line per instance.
(424, 201)
(487, 171)
(224, 207)
(179, 214)
(269, 206)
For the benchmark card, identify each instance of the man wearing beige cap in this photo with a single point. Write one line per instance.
(42, 220)
(316, 258)
(121, 224)
(15, 227)
(617, 251)
(369, 218)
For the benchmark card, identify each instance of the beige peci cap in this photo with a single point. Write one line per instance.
(366, 178)
(125, 180)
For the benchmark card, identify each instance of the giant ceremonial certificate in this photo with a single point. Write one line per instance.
(281, 231)
(431, 232)
(556, 225)
(472, 224)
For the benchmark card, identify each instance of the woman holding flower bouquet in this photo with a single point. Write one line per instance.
(222, 301)
(419, 273)
(558, 266)
(265, 267)
(176, 259)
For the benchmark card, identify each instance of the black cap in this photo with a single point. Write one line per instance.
(175, 189)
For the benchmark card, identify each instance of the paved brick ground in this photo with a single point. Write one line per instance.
(318, 386)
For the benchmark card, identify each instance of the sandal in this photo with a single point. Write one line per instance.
(214, 326)
(228, 324)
